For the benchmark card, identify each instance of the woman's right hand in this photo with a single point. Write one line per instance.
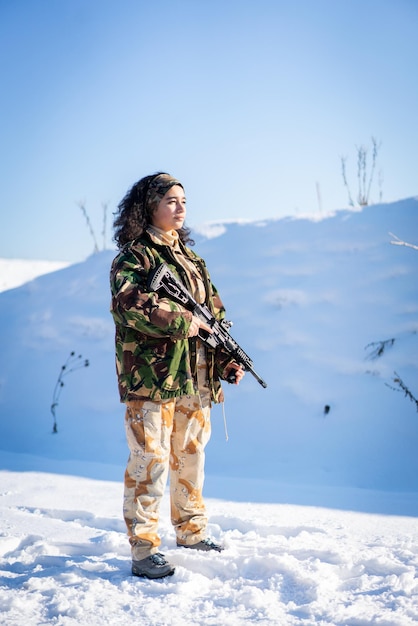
(195, 325)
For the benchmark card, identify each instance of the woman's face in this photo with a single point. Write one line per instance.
(171, 210)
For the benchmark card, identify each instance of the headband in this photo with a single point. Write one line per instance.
(157, 188)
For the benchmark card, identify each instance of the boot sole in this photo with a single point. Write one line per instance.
(150, 576)
(197, 548)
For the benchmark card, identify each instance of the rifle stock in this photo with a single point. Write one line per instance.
(162, 278)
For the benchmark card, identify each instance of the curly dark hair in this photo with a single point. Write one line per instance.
(134, 215)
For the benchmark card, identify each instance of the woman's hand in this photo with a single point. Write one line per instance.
(235, 370)
(197, 324)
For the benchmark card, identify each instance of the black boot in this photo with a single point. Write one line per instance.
(204, 546)
(154, 566)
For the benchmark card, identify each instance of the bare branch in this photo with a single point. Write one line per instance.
(380, 183)
(402, 387)
(399, 242)
(361, 174)
(344, 175)
(379, 348)
(374, 159)
(72, 363)
(364, 177)
(90, 227)
(104, 207)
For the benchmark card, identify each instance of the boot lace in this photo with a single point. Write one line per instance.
(158, 558)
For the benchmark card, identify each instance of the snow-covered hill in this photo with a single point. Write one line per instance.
(306, 298)
(16, 272)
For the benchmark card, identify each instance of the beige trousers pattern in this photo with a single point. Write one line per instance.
(166, 438)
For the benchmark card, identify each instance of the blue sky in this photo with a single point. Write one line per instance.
(250, 104)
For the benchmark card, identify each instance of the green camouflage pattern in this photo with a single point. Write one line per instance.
(154, 358)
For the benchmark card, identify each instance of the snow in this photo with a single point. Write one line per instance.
(16, 272)
(317, 510)
(65, 560)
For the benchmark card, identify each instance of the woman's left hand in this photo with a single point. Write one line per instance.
(237, 370)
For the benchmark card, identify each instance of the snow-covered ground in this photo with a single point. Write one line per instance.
(316, 507)
(65, 560)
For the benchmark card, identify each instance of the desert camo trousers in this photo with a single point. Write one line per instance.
(166, 438)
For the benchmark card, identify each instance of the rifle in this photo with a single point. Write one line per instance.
(163, 279)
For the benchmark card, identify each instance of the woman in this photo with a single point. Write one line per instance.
(167, 377)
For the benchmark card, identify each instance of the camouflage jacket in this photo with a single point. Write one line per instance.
(154, 358)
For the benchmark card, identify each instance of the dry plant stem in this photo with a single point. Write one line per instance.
(90, 227)
(72, 363)
(399, 242)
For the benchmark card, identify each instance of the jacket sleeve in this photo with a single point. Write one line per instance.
(137, 308)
